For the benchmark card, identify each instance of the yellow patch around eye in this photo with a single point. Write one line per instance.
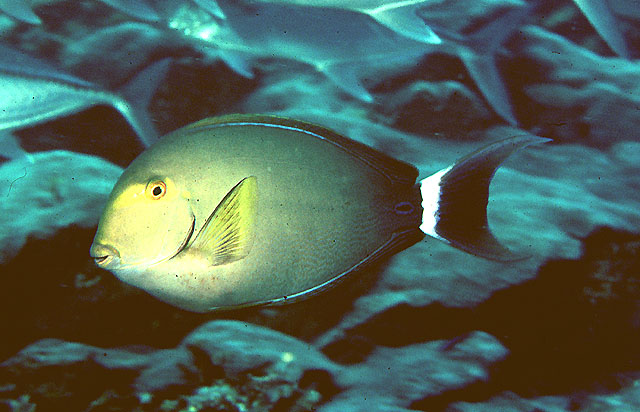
(143, 193)
(171, 191)
(130, 196)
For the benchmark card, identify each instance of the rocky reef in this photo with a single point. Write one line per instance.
(429, 329)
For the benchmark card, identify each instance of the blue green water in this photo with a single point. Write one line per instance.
(87, 85)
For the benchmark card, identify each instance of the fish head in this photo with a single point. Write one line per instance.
(146, 221)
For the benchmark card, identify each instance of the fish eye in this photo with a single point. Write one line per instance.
(156, 189)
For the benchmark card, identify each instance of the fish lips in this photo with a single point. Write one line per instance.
(105, 256)
(108, 257)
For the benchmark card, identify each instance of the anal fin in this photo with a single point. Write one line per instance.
(397, 242)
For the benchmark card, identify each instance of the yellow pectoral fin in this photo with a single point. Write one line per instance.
(228, 234)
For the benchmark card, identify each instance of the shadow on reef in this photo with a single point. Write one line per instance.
(575, 326)
(53, 289)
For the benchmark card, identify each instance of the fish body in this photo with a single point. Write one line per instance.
(33, 92)
(347, 46)
(400, 16)
(344, 45)
(248, 210)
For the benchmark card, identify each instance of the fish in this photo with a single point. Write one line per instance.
(212, 7)
(478, 51)
(34, 91)
(403, 17)
(601, 17)
(22, 10)
(346, 46)
(245, 210)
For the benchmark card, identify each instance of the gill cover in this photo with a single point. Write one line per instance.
(146, 222)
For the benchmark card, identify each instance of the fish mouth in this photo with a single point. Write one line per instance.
(108, 257)
(101, 259)
(104, 255)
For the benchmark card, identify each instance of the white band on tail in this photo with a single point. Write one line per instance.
(430, 191)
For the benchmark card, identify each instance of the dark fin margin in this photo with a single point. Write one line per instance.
(464, 194)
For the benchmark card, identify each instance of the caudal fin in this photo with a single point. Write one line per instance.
(602, 19)
(135, 8)
(134, 98)
(455, 199)
(20, 10)
(212, 7)
(478, 52)
(403, 18)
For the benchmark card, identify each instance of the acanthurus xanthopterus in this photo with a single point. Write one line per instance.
(245, 210)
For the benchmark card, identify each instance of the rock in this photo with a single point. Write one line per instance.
(625, 399)
(51, 191)
(242, 366)
(510, 402)
(445, 108)
(398, 377)
(581, 90)
(581, 316)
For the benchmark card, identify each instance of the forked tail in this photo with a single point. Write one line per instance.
(455, 200)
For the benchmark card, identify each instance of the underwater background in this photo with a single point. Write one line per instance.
(85, 85)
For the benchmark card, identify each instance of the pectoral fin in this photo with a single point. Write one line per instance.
(228, 234)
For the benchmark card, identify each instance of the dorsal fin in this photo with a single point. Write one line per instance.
(228, 233)
(396, 170)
